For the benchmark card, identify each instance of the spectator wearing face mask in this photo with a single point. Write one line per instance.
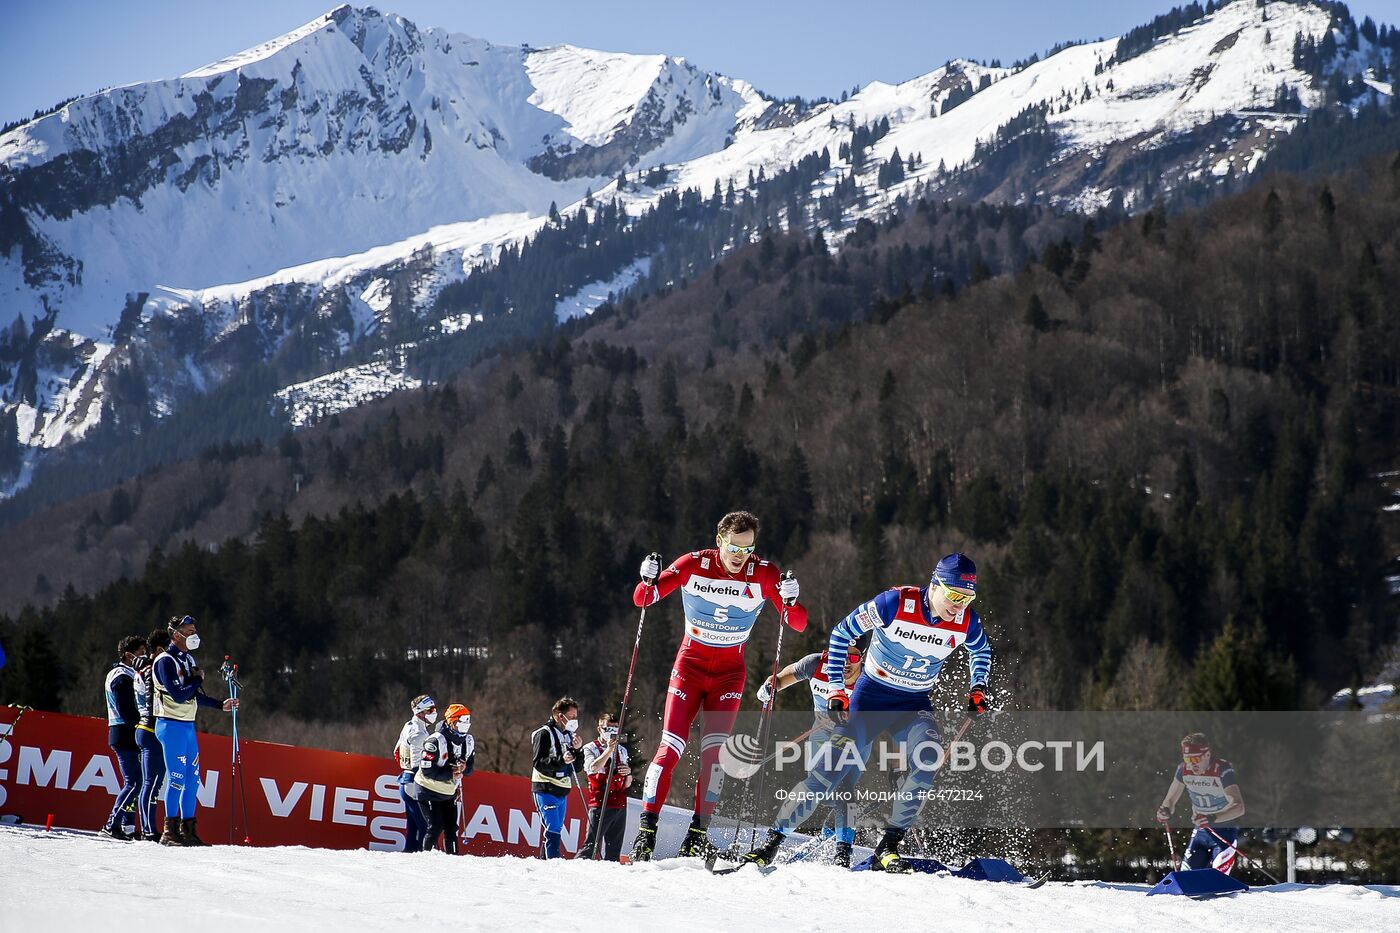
(122, 717)
(611, 809)
(449, 754)
(179, 693)
(557, 760)
(408, 752)
(152, 755)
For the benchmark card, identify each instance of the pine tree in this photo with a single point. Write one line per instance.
(518, 450)
(33, 675)
(1036, 317)
(871, 559)
(1240, 671)
(485, 475)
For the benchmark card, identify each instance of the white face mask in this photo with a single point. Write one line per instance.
(463, 726)
(192, 642)
(571, 726)
(430, 718)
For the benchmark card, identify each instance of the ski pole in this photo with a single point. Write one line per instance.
(1240, 852)
(1171, 847)
(766, 717)
(622, 717)
(582, 798)
(227, 671)
(238, 756)
(230, 674)
(5, 736)
(749, 770)
(957, 737)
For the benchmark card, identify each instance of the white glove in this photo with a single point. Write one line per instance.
(765, 692)
(788, 589)
(651, 568)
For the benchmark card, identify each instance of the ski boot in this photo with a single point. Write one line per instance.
(766, 853)
(115, 832)
(645, 843)
(841, 857)
(172, 836)
(887, 857)
(697, 842)
(188, 834)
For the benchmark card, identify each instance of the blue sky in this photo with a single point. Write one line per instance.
(53, 49)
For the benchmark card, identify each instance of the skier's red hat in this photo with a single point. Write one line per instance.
(455, 712)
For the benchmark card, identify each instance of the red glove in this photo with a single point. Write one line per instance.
(1163, 815)
(838, 705)
(977, 700)
(1201, 819)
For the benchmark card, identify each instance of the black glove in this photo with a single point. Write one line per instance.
(838, 706)
(977, 700)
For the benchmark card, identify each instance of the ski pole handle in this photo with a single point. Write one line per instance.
(787, 575)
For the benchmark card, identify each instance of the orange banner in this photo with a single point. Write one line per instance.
(56, 765)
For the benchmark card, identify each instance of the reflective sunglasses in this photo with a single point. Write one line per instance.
(954, 597)
(736, 549)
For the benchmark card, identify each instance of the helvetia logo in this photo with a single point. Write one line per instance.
(920, 634)
(721, 589)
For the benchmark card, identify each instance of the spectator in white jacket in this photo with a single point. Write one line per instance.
(408, 751)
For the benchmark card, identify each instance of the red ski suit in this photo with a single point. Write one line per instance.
(720, 611)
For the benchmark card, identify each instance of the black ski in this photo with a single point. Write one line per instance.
(1038, 882)
(713, 858)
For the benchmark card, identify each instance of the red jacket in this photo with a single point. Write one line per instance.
(617, 793)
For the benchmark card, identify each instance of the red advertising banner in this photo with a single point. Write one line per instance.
(59, 765)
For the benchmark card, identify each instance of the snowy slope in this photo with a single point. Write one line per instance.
(343, 146)
(1223, 65)
(354, 131)
(75, 882)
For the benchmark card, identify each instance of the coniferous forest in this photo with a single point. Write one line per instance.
(1161, 441)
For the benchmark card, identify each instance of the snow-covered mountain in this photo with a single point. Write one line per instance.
(190, 225)
(354, 131)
